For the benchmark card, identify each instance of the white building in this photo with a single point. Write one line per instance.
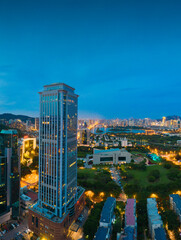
(111, 156)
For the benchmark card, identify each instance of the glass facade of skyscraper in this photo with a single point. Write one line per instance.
(58, 148)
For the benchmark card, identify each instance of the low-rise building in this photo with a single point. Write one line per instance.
(111, 156)
(130, 230)
(27, 198)
(154, 220)
(107, 212)
(160, 234)
(175, 203)
(105, 223)
(102, 234)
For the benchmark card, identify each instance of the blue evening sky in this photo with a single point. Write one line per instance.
(123, 57)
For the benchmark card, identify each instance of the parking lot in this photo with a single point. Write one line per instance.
(15, 230)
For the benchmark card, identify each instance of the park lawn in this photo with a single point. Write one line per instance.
(90, 172)
(141, 176)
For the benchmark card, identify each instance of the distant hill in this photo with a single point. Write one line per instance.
(23, 118)
(174, 117)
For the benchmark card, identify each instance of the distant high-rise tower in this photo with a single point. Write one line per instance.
(163, 121)
(37, 123)
(58, 192)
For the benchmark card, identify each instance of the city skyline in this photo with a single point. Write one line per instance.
(122, 57)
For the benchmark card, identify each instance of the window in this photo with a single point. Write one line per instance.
(122, 158)
(36, 222)
(106, 159)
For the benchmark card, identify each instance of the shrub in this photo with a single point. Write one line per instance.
(167, 165)
(151, 179)
(155, 173)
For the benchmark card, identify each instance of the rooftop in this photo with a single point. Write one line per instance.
(129, 232)
(106, 211)
(160, 234)
(101, 233)
(106, 151)
(177, 199)
(32, 195)
(57, 86)
(130, 212)
(153, 215)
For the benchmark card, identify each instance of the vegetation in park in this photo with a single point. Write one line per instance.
(169, 217)
(92, 222)
(142, 218)
(162, 179)
(82, 151)
(98, 180)
(80, 163)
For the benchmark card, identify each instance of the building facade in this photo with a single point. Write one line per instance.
(155, 223)
(9, 175)
(111, 156)
(58, 198)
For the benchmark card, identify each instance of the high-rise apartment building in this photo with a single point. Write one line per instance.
(9, 175)
(59, 200)
(37, 123)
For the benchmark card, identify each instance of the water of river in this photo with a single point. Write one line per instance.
(106, 130)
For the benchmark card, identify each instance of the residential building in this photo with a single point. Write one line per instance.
(107, 212)
(9, 175)
(37, 123)
(154, 220)
(111, 156)
(175, 203)
(105, 223)
(84, 136)
(102, 234)
(160, 234)
(60, 201)
(130, 230)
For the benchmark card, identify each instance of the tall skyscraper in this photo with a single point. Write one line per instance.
(9, 175)
(59, 196)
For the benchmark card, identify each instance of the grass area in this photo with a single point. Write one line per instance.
(142, 181)
(141, 176)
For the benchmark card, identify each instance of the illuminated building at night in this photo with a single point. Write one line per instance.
(60, 201)
(27, 145)
(9, 175)
(84, 136)
(111, 156)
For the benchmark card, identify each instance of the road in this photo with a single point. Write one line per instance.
(117, 178)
